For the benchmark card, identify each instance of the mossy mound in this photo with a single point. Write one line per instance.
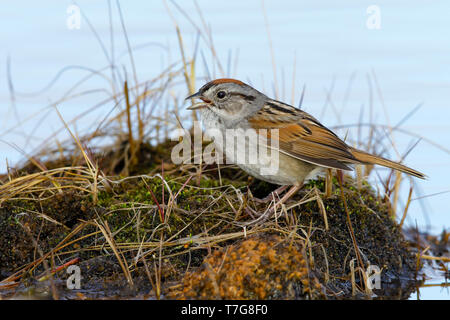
(27, 230)
(379, 239)
(179, 220)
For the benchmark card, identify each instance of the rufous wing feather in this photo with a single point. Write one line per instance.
(303, 137)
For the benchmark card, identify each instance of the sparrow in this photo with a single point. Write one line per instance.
(305, 146)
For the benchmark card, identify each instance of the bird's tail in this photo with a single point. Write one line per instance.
(368, 158)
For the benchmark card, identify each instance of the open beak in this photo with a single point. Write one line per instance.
(198, 105)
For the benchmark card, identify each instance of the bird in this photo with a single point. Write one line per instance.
(305, 148)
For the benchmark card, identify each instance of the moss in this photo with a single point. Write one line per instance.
(379, 238)
(28, 227)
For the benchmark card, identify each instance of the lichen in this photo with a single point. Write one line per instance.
(265, 267)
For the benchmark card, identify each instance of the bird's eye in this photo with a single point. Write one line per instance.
(221, 94)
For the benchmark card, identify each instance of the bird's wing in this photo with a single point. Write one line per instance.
(302, 136)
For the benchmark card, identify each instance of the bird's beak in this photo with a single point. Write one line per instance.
(192, 96)
(198, 105)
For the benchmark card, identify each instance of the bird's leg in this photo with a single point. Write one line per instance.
(272, 195)
(293, 190)
(269, 212)
(328, 183)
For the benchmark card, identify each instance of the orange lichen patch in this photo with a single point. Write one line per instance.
(257, 268)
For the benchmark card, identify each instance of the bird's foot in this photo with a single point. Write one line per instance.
(273, 196)
(272, 210)
(291, 192)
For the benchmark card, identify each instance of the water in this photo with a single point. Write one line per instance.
(408, 58)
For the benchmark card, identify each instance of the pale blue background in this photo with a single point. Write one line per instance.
(329, 41)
